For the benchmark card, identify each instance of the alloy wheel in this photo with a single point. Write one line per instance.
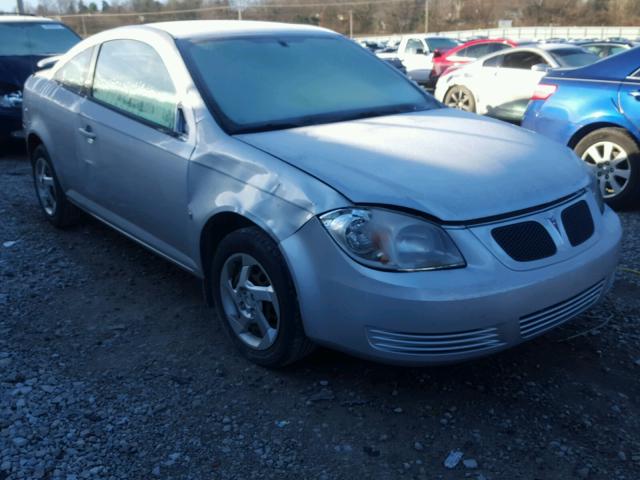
(250, 301)
(460, 99)
(612, 167)
(45, 186)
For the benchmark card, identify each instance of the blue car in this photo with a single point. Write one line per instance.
(595, 110)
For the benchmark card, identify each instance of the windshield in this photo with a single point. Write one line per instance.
(268, 83)
(33, 38)
(441, 44)
(573, 57)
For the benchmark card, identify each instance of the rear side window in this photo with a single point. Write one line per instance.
(475, 51)
(522, 60)
(73, 74)
(493, 61)
(131, 77)
(34, 38)
(573, 57)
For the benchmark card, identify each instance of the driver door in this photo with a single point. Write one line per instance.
(134, 126)
(417, 61)
(630, 98)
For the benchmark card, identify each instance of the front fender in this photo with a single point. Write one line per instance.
(227, 175)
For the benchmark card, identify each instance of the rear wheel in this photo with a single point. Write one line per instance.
(615, 158)
(256, 300)
(54, 203)
(461, 98)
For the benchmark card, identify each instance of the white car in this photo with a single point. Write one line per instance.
(416, 53)
(502, 83)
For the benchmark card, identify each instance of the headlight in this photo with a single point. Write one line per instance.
(597, 193)
(11, 100)
(388, 240)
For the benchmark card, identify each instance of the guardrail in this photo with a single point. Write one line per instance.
(531, 33)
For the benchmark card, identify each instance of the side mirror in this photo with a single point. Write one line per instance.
(437, 53)
(540, 67)
(181, 127)
(48, 62)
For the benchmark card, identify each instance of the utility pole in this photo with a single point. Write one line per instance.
(350, 23)
(426, 16)
(239, 14)
(20, 7)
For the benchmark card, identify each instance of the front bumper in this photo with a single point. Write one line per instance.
(422, 318)
(10, 122)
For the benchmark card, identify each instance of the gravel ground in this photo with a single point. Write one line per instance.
(112, 367)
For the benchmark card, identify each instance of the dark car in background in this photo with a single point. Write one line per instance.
(595, 110)
(606, 48)
(24, 41)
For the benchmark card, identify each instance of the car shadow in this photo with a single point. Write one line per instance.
(10, 149)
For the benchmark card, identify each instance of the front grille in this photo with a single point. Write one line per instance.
(578, 223)
(550, 317)
(435, 343)
(525, 241)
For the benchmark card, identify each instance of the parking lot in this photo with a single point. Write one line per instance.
(111, 366)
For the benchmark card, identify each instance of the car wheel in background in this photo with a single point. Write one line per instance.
(55, 206)
(256, 300)
(615, 157)
(460, 98)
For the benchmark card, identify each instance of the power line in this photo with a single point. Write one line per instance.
(353, 3)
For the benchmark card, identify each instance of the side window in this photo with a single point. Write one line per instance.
(496, 47)
(414, 46)
(477, 51)
(522, 60)
(73, 74)
(131, 77)
(462, 53)
(493, 61)
(615, 49)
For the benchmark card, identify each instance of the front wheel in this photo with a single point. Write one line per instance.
(256, 300)
(615, 157)
(461, 98)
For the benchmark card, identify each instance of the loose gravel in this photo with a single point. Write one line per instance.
(111, 367)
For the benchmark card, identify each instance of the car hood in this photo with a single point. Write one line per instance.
(453, 165)
(14, 70)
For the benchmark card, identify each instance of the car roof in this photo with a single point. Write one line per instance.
(23, 18)
(203, 28)
(555, 46)
(480, 41)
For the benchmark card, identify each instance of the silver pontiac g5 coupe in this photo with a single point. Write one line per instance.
(321, 196)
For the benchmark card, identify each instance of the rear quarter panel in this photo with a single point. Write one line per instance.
(575, 108)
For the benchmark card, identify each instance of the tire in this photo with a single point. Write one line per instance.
(461, 98)
(236, 251)
(55, 206)
(618, 168)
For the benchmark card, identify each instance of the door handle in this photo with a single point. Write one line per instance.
(87, 133)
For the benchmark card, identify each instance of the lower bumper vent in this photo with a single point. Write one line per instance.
(435, 343)
(550, 317)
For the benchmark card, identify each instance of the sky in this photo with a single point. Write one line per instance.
(8, 5)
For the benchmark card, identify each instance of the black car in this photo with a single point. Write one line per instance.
(24, 41)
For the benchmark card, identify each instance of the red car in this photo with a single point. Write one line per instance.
(465, 53)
